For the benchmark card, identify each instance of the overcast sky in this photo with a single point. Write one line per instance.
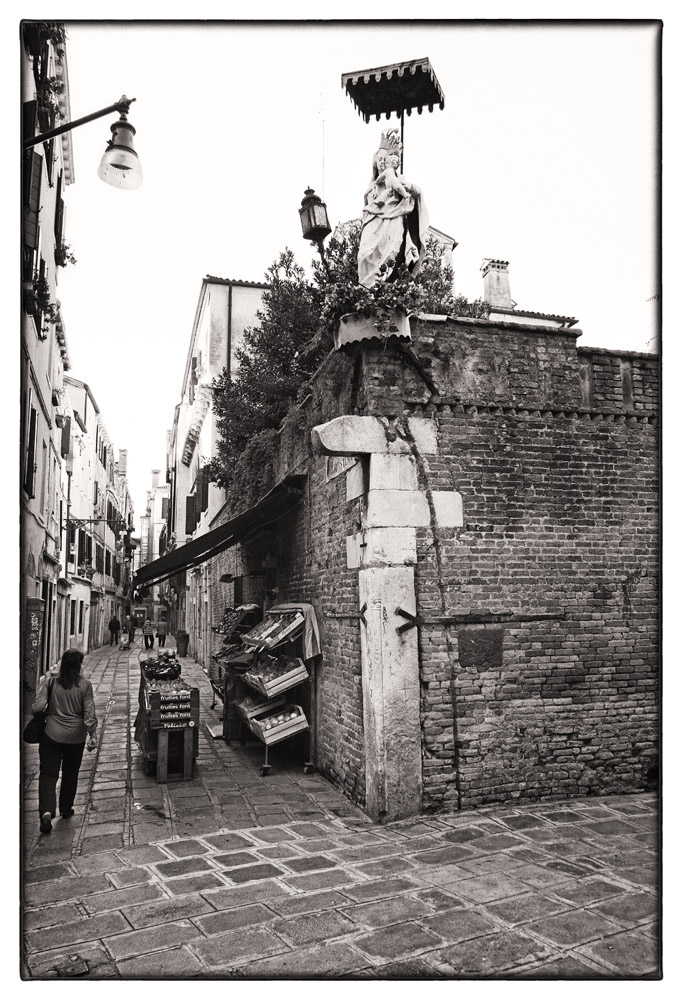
(545, 155)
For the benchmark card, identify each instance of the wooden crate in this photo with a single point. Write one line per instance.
(253, 705)
(281, 682)
(281, 731)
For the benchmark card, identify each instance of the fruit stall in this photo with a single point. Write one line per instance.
(167, 721)
(234, 623)
(267, 679)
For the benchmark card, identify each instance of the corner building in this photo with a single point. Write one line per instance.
(483, 564)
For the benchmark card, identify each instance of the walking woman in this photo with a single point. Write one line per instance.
(70, 717)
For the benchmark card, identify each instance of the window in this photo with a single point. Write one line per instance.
(72, 630)
(190, 519)
(43, 477)
(33, 175)
(59, 213)
(30, 468)
(107, 563)
(81, 608)
(99, 558)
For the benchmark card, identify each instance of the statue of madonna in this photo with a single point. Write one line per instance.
(394, 219)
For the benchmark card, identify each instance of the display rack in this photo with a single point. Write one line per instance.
(256, 681)
(167, 722)
(234, 623)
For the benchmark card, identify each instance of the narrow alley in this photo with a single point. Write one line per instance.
(232, 875)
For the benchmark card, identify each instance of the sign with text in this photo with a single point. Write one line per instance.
(33, 636)
(338, 464)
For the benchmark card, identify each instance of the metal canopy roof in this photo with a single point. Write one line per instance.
(394, 89)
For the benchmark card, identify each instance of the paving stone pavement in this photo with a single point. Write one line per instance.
(232, 875)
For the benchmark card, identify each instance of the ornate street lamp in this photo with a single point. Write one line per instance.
(120, 165)
(314, 222)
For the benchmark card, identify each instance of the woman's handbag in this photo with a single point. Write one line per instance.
(35, 727)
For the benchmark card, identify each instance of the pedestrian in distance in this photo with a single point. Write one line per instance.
(148, 633)
(130, 623)
(162, 632)
(114, 629)
(70, 718)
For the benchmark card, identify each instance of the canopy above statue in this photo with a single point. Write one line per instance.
(397, 88)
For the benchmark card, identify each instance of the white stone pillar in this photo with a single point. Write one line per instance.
(385, 553)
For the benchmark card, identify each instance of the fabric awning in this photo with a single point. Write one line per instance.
(269, 509)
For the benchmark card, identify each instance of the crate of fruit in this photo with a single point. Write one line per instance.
(254, 704)
(279, 723)
(275, 628)
(276, 675)
(164, 666)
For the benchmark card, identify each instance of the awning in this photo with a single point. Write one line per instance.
(395, 89)
(273, 505)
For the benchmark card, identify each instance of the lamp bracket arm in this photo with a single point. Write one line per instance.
(122, 106)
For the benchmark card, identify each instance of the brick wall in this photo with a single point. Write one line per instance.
(545, 684)
(560, 523)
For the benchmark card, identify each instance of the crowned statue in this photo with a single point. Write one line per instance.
(394, 219)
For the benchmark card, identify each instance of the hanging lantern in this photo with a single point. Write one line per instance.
(314, 221)
(120, 164)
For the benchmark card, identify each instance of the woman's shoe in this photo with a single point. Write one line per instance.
(67, 814)
(46, 823)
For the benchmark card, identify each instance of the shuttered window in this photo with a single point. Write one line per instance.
(59, 213)
(66, 438)
(99, 558)
(30, 471)
(190, 519)
(33, 174)
(164, 508)
(107, 563)
(82, 547)
(204, 491)
(29, 120)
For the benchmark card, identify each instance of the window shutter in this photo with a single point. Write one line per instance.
(34, 167)
(89, 549)
(204, 490)
(66, 442)
(164, 508)
(81, 546)
(59, 212)
(29, 123)
(190, 520)
(30, 477)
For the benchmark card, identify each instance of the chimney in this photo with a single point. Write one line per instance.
(496, 284)
(155, 478)
(123, 461)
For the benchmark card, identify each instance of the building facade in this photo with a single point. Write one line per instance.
(224, 310)
(47, 170)
(99, 518)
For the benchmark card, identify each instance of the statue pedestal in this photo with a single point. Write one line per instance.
(356, 327)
